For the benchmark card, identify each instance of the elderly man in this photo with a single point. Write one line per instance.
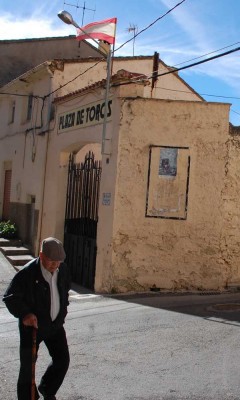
(38, 297)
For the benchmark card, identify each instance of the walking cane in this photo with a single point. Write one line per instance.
(34, 355)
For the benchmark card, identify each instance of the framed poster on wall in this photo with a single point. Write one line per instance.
(168, 182)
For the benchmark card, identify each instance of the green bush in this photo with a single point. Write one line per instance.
(7, 230)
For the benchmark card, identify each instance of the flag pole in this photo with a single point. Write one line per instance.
(113, 50)
(68, 19)
(109, 74)
(109, 58)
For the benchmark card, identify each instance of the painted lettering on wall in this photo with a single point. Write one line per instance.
(90, 114)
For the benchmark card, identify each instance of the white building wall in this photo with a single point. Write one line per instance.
(35, 170)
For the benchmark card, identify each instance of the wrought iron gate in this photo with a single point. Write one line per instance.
(81, 217)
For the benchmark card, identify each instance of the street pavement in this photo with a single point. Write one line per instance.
(150, 346)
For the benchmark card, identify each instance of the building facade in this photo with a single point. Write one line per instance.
(19, 56)
(162, 213)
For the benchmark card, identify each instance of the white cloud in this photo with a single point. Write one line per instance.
(33, 27)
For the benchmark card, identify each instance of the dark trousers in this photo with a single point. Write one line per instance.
(52, 379)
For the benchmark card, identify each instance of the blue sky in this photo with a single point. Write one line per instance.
(193, 29)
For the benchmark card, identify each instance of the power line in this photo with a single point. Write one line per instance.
(201, 62)
(155, 75)
(205, 94)
(22, 95)
(178, 69)
(161, 74)
(143, 30)
(133, 38)
(207, 54)
(235, 112)
(82, 73)
(141, 79)
(201, 94)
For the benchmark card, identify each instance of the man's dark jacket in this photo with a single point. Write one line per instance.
(28, 293)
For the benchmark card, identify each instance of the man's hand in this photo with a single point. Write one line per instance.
(30, 320)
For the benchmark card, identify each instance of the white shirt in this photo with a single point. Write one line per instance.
(52, 281)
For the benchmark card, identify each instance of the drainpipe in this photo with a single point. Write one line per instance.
(155, 70)
(45, 170)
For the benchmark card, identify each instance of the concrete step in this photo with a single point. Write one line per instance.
(19, 260)
(18, 267)
(10, 242)
(14, 250)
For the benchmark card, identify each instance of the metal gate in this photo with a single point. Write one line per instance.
(81, 217)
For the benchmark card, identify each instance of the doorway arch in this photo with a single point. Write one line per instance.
(81, 218)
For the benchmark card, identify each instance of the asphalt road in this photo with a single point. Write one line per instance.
(141, 347)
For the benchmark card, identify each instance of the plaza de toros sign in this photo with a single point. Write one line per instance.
(87, 115)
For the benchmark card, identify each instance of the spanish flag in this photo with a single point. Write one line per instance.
(102, 30)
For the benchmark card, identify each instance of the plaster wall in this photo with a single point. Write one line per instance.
(39, 162)
(22, 145)
(88, 73)
(19, 56)
(230, 240)
(78, 141)
(166, 253)
(170, 87)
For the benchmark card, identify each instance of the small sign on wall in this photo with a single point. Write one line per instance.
(106, 200)
(87, 115)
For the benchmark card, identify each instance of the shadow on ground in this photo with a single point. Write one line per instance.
(218, 307)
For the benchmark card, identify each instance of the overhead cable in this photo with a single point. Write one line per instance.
(174, 70)
(22, 95)
(235, 112)
(207, 54)
(82, 73)
(201, 94)
(154, 22)
(201, 62)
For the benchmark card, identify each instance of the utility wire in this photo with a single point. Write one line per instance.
(185, 67)
(201, 94)
(22, 95)
(235, 112)
(200, 62)
(207, 54)
(161, 74)
(149, 77)
(141, 79)
(154, 22)
(133, 38)
(60, 87)
(82, 73)
(172, 71)
(154, 75)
